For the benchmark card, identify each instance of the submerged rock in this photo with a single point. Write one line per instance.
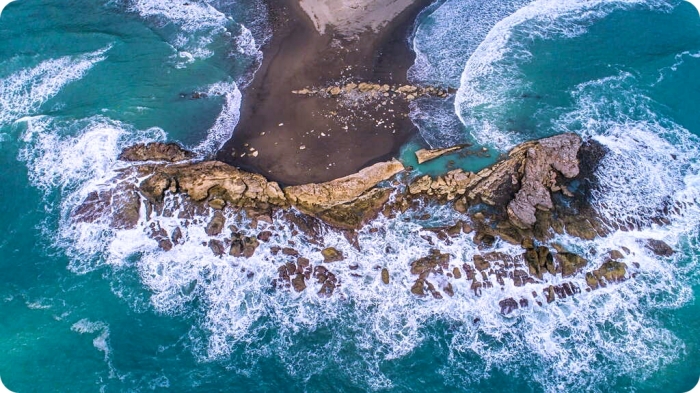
(424, 155)
(659, 247)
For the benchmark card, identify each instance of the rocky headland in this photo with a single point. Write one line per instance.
(540, 189)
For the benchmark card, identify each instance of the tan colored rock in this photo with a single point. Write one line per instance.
(217, 204)
(407, 89)
(315, 198)
(354, 214)
(447, 187)
(364, 87)
(424, 155)
(385, 276)
(298, 283)
(213, 179)
(421, 185)
(547, 155)
(331, 254)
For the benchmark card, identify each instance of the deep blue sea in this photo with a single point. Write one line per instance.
(86, 308)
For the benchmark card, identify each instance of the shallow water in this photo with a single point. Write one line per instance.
(96, 309)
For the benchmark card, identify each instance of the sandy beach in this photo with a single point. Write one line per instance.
(318, 44)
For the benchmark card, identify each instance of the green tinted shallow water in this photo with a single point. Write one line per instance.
(82, 322)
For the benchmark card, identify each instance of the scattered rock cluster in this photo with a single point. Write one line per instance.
(523, 200)
(375, 90)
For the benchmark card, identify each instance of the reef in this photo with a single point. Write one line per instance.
(538, 190)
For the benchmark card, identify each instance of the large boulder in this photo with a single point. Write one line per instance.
(347, 202)
(542, 163)
(212, 180)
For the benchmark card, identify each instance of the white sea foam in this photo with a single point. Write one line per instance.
(64, 154)
(569, 339)
(491, 78)
(462, 24)
(100, 342)
(679, 61)
(228, 118)
(191, 27)
(24, 92)
(190, 16)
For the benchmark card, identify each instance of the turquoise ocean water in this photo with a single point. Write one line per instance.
(84, 308)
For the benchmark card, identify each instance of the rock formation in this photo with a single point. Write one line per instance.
(522, 200)
(424, 155)
(156, 151)
(347, 202)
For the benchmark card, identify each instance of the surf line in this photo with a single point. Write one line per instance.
(3, 389)
(3, 4)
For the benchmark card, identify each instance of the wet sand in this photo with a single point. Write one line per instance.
(298, 139)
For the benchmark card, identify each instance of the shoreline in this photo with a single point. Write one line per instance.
(295, 139)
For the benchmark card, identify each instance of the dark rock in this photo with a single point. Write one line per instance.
(570, 263)
(264, 236)
(290, 251)
(612, 271)
(592, 281)
(424, 266)
(476, 287)
(615, 255)
(176, 237)
(216, 224)
(121, 206)
(417, 288)
(298, 283)
(549, 294)
(302, 265)
(480, 263)
(243, 245)
(217, 247)
(250, 244)
(508, 305)
(659, 248)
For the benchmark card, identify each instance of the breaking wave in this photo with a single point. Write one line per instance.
(24, 92)
(492, 83)
(197, 29)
